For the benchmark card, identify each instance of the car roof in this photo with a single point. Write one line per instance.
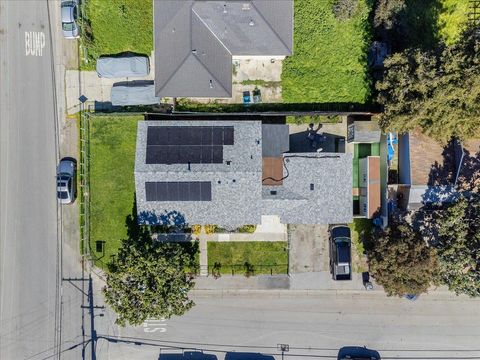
(340, 231)
(67, 13)
(343, 253)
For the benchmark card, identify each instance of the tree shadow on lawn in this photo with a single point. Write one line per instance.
(141, 235)
(413, 26)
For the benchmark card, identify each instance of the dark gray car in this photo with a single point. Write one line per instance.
(66, 181)
(340, 252)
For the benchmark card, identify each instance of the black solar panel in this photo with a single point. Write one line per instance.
(228, 135)
(187, 144)
(150, 191)
(206, 135)
(178, 191)
(217, 155)
(217, 134)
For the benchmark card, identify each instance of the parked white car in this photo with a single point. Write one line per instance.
(69, 13)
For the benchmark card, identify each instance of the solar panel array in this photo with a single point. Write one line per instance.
(187, 144)
(179, 191)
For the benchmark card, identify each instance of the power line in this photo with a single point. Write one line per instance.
(180, 344)
(168, 345)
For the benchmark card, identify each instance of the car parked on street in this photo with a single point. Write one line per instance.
(66, 181)
(69, 14)
(357, 353)
(340, 252)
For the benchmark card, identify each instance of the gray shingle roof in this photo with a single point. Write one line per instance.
(195, 41)
(238, 196)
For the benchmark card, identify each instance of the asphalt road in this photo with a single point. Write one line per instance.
(31, 312)
(436, 326)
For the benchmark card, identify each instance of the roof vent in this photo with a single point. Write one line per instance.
(234, 180)
(228, 162)
(225, 8)
(312, 187)
(273, 192)
(211, 84)
(251, 23)
(246, 6)
(173, 30)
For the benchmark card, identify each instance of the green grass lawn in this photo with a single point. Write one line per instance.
(115, 26)
(299, 120)
(329, 62)
(112, 187)
(264, 256)
(360, 232)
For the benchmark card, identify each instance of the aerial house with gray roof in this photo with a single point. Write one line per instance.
(230, 173)
(196, 41)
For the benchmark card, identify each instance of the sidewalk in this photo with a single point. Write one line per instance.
(302, 281)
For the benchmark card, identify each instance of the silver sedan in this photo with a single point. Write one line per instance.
(66, 181)
(69, 13)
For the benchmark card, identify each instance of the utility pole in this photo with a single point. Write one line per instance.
(283, 348)
(91, 308)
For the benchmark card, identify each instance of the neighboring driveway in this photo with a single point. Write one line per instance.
(308, 248)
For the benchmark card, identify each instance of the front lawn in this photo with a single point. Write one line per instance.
(264, 256)
(115, 26)
(329, 61)
(112, 187)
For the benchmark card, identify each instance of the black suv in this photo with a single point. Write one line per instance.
(340, 252)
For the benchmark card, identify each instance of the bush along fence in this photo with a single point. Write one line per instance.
(246, 269)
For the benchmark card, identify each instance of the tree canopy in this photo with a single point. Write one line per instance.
(458, 245)
(401, 261)
(436, 91)
(148, 279)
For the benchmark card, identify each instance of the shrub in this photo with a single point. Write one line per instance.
(196, 229)
(247, 229)
(344, 9)
(210, 229)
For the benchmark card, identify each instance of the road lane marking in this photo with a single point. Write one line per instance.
(153, 325)
(34, 43)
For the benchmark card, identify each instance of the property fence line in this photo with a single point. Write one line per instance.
(84, 174)
(247, 269)
(474, 12)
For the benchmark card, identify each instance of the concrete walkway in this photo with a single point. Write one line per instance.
(203, 254)
(321, 280)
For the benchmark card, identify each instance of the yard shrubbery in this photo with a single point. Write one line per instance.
(329, 61)
(115, 26)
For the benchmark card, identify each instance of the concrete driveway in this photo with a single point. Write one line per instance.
(308, 248)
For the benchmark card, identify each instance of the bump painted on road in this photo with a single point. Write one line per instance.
(34, 43)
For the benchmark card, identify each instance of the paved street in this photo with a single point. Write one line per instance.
(32, 307)
(436, 326)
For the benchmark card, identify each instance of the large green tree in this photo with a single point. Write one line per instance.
(436, 91)
(401, 261)
(149, 279)
(458, 245)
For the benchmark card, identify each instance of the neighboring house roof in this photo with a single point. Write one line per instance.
(195, 41)
(316, 187)
(430, 162)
